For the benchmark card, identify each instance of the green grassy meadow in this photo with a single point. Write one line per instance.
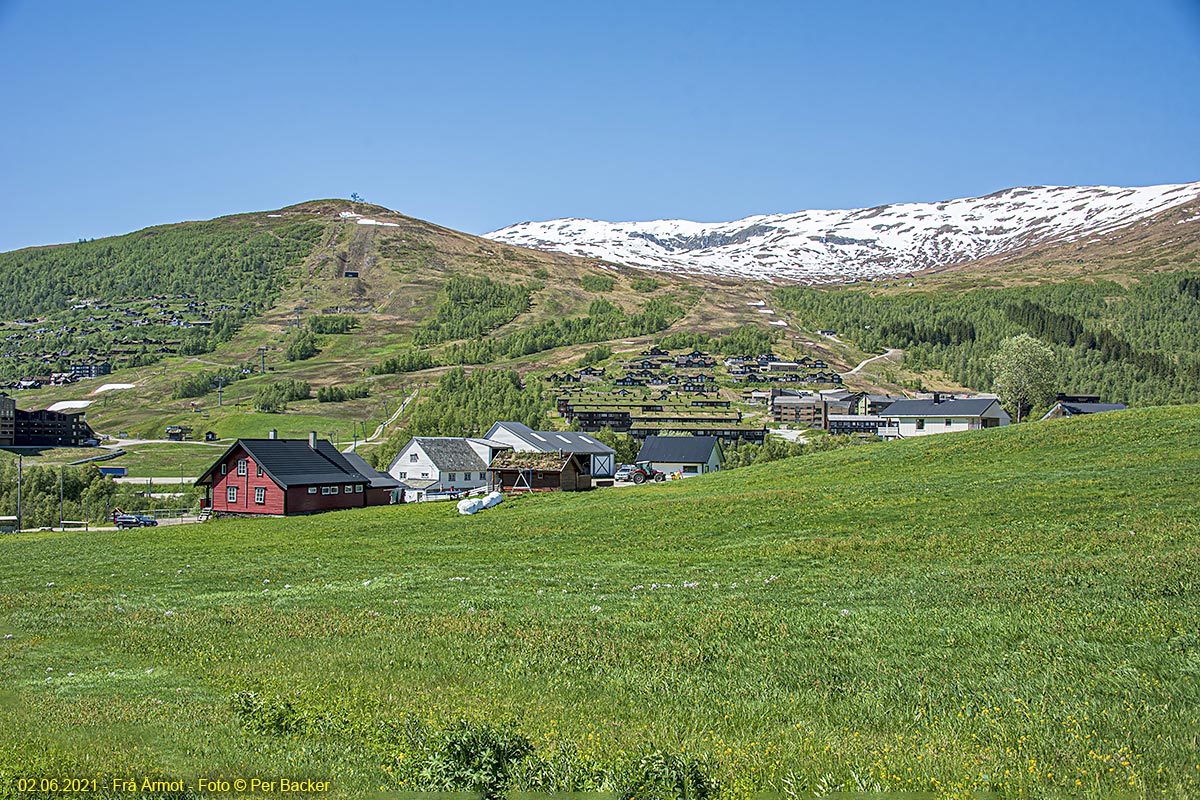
(1012, 612)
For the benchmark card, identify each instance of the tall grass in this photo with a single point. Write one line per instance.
(1010, 611)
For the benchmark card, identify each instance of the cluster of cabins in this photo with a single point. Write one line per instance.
(769, 368)
(281, 477)
(844, 412)
(79, 371)
(183, 312)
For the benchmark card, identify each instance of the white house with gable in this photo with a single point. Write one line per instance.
(444, 466)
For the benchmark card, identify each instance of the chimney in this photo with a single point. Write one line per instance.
(312, 439)
(937, 398)
(273, 434)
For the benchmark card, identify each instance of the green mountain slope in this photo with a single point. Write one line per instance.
(406, 287)
(181, 310)
(1012, 610)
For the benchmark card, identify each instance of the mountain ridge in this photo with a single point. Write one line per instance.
(822, 246)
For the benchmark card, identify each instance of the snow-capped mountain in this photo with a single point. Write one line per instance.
(820, 246)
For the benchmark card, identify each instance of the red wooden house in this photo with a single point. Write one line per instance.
(283, 477)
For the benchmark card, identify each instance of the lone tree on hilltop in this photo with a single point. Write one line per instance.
(1024, 373)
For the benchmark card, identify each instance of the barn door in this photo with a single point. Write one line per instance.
(602, 465)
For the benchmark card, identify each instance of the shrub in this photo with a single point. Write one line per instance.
(339, 394)
(301, 346)
(595, 355)
(267, 714)
(465, 755)
(660, 775)
(409, 361)
(332, 323)
(597, 283)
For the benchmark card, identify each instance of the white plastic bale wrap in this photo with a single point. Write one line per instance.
(470, 505)
(493, 499)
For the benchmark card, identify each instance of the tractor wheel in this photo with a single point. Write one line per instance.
(659, 478)
(639, 478)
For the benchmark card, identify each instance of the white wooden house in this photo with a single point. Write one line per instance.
(444, 466)
(907, 418)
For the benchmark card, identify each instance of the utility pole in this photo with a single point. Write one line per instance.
(60, 497)
(20, 473)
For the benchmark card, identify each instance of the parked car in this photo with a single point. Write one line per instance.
(623, 472)
(135, 521)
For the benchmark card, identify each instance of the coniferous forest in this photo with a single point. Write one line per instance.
(1132, 344)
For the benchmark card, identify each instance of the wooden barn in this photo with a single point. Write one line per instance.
(539, 472)
(284, 477)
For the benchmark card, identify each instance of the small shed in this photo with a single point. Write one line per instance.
(539, 472)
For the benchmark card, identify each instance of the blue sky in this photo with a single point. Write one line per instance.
(476, 115)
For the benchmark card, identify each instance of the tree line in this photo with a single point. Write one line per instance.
(1132, 344)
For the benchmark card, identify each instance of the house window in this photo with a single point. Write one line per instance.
(358, 488)
(324, 490)
(260, 495)
(412, 458)
(424, 474)
(333, 490)
(241, 466)
(401, 475)
(450, 477)
(312, 490)
(231, 494)
(224, 468)
(921, 424)
(258, 470)
(948, 423)
(349, 488)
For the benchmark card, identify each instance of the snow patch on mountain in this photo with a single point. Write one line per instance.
(821, 246)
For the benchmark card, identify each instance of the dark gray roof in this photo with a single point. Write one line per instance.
(553, 441)
(377, 479)
(291, 462)
(1091, 408)
(451, 453)
(678, 449)
(973, 407)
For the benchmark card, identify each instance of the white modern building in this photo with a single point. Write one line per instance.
(907, 418)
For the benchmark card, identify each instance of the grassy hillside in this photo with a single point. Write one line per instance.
(1011, 610)
(408, 297)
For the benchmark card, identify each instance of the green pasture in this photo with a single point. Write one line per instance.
(1011, 612)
